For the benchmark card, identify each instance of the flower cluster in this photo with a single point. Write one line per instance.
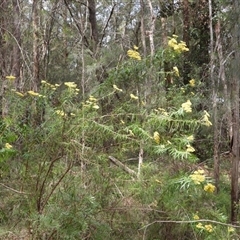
(53, 87)
(190, 148)
(116, 88)
(209, 188)
(60, 113)
(10, 78)
(205, 119)
(132, 96)
(192, 82)
(156, 137)
(162, 111)
(35, 94)
(208, 227)
(72, 86)
(18, 93)
(134, 53)
(198, 176)
(8, 146)
(187, 106)
(91, 102)
(176, 71)
(179, 47)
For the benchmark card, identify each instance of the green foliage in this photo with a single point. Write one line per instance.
(55, 150)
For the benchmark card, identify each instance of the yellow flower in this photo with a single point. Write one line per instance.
(32, 93)
(190, 138)
(208, 228)
(205, 119)
(178, 47)
(172, 43)
(10, 77)
(199, 225)
(95, 106)
(135, 47)
(231, 229)
(209, 188)
(197, 177)
(92, 99)
(183, 47)
(196, 217)
(8, 146)
(156, 137)
(133, 96)
(192, 82)
(20, 94)
(190, 148)
(70, 84)
(187, 106)
(116, 88)
(176, 71)
(134, 54)
(60, 112)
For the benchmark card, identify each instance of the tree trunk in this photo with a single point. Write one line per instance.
(17, 44)
(36, 58)
(235, 97)
(93, 23)
(215, 109)
(152, 28)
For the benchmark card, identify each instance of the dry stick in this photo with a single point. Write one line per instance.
(16, 191)
(140, 161)
(121, 165)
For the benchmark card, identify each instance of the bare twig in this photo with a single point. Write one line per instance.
(121, 165)
(14, 190)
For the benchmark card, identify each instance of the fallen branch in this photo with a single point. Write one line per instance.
(121, 165)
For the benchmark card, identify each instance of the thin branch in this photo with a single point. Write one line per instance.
(9, 188)
(106, 25)
(121, 165)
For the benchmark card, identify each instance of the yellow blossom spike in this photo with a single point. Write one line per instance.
(176, 71)
(190, 148)
(134, 54)
(135, 47)
(133, 96)
(187, 106)
(32, 93)
(196, 217)
(116, 88)
(70, 84)
(8, 146)
(192, 82)
(209, 188)
(156, 137)
(95, 106)
(10, 77)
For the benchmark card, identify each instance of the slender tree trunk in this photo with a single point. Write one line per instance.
(186, 27)
(235, 94)
(215, 109)
(143, 33)
(152, 28)
(93, 23)
(36, 56)
(17, 43)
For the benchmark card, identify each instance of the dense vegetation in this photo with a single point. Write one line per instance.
(117, 137)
